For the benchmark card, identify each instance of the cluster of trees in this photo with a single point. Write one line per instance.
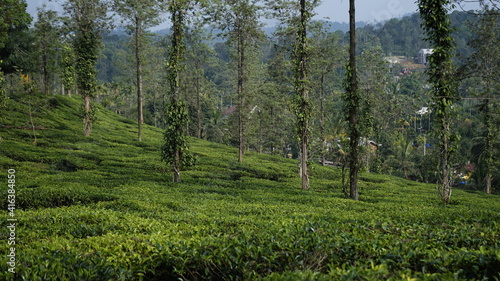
(300, 90)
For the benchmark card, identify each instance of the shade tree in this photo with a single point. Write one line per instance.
(89, 20)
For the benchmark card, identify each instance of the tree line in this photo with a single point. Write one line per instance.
(357, 100)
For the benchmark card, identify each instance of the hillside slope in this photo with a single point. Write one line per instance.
(104, 208)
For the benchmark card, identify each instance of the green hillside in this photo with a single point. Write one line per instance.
(104, 208)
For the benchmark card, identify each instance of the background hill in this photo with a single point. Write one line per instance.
(104, 208)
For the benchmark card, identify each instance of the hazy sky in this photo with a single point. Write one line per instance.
(335, 10)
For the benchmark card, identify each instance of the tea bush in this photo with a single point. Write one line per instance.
(104, 208)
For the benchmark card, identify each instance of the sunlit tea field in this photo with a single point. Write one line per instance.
(104, 208)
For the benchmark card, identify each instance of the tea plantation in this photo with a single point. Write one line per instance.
(104, 208)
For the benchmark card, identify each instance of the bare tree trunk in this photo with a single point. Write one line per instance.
(140, 116)
(155, 118)
(240, 89)
(176, 166)
(487, 188)
(198, 108)
(45, 74)
(322, 120)
(489, 144)
(446, 177)
(87, 120)
(304, 175)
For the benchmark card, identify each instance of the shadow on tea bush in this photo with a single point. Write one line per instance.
(269, 173)
(44, 197)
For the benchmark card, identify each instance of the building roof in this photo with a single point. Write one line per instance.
(426, 51)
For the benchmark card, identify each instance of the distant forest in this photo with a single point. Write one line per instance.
(396, 37)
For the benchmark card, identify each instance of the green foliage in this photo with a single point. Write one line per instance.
(353, 115)
(3, 96)
(302, 108)
(86, 48)
(111, 216)
(14, 16)
(176, 145)
(47, 41)
(479, 72)
(138, 14)
(89, 20)
(14, 40)
(436, 24)
(300, 58)
(175, 149)
(68, 71)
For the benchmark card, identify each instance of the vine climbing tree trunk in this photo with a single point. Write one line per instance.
(353, 106)
(436, 24)
(303, 110)
(89, 21)
(175, 150)
(177, 52)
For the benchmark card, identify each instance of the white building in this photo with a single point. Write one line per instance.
(423, 54)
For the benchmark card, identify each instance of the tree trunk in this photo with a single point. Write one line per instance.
(140, 116)
(436, 24)
(446, 184)
(45, 75)
(177, 34)
(304, 175)
(322, 120)
(240, 89)
(487, 188)
(155, 110)
(489, 144)
(354, 108)
(198, 108)
(302, 89)
(87, 120)
(176, 166)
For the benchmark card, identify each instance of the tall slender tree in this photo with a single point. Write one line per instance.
(240, 21)
(138, 16)
(352, 99)
(175, 150)
(89, 20)
(303, 106)
(295, 17)
(437, 26)
(198, 57)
